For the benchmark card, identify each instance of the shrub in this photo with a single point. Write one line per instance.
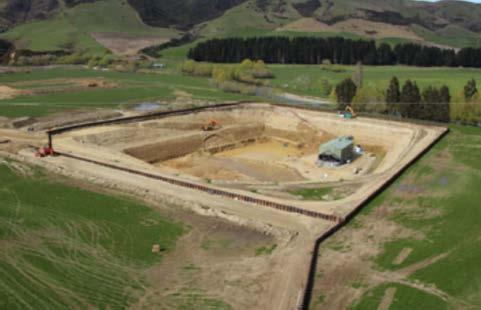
(106, 60)
(325, 88)
(369, 99)
(466, 112)
(74, 59)
(261, 71)
(203, 69)
(188, 67)
(470, 90)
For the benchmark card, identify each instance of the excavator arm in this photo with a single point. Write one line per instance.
(351, 110)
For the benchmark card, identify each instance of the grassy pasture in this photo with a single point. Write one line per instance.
(139, 87)
(131, 88)
(67, 247)
(305, 79)
(405, 298)
(436, 200)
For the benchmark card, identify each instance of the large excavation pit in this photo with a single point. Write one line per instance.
(262, 149)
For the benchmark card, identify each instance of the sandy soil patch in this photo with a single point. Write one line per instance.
(7, 92)
(52, 86)
(125, 44)
(269, 150)
(307, 25)
(233, 168)
(402, 256)
(387, 299)
(216, 258)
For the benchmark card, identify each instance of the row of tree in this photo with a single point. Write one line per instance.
(241, 78)
(431, 104)
(309, 50)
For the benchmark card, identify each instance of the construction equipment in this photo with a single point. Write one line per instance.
(211, 125)
(45, 151)
(348, 113)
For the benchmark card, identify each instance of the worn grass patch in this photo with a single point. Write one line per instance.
(312, 193)
(266, 250)
(404, 298)
(455, 229)
(194, 299)
(430, 246)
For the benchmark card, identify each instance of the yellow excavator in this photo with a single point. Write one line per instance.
(349, 113)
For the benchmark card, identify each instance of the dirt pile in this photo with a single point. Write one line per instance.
(7, 92)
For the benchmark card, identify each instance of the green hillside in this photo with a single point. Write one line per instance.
(68, 25)
(72, 28)
(249, 20)
(451, 35)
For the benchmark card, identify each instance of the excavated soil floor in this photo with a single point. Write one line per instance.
(247, 147)
(257, 147)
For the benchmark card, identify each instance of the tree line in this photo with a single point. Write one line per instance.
(243, 78)
(409, 101)
(337, 50)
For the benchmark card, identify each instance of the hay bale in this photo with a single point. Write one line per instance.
(155, 248)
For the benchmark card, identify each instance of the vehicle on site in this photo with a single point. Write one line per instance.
(45, 151)
(349, 113)
(211, 125)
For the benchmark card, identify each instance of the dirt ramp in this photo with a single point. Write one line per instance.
(233, 136)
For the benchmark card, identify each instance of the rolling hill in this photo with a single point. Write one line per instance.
(98, 25)
(88, 26)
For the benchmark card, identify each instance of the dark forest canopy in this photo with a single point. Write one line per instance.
(337, 50)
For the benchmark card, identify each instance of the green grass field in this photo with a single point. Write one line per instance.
(437, 200)
(140, 87)
(405, 298)
(65, 247)
(131, 88)
(305, 79)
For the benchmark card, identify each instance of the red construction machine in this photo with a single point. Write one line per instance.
(211, 125)
(45, 151)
